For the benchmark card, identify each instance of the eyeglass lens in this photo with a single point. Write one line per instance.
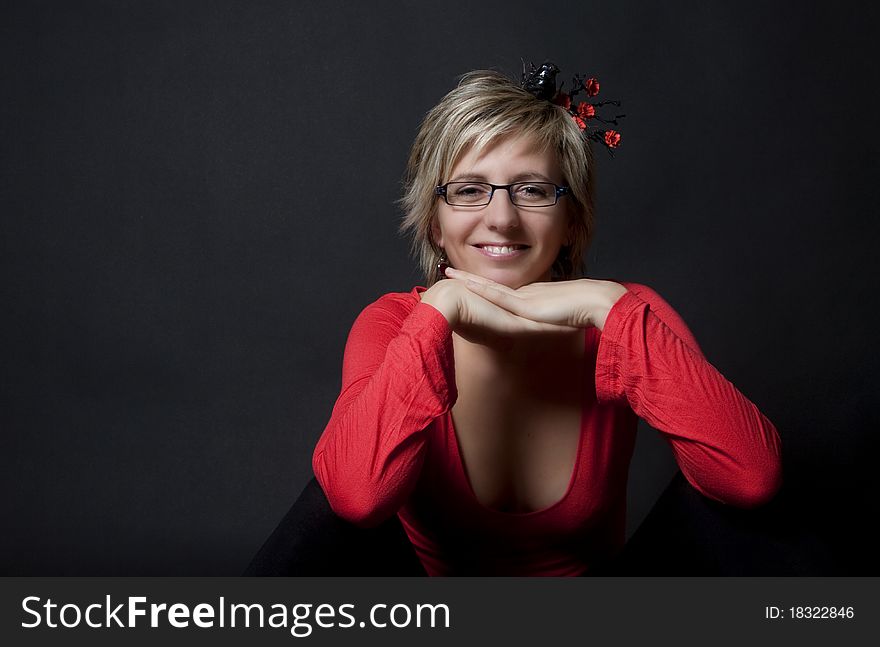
(534, 194)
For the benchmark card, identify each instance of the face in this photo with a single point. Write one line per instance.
(471, 236)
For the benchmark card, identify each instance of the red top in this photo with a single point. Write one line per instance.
(390, 446)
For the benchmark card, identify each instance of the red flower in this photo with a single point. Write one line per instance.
(580, 122)
(592, 87)
(612, 139)
(562, 99)
(586, 110)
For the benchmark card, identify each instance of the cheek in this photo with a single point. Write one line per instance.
(449, 232)
(554, 236)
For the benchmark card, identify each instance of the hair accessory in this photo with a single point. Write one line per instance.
(541, 82)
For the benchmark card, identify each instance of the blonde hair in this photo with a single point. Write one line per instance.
(485, 106)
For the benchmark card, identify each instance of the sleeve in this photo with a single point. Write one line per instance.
(648, 358)
(397, 377)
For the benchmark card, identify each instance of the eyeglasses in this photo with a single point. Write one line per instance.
(522, 194)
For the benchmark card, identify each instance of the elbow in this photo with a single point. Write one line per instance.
(763, 480)
(757, 477)
(349, 501)
(758, 487)
(767, 491)
(356, 510)
(746, 487)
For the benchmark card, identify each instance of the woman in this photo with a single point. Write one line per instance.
(495, 411)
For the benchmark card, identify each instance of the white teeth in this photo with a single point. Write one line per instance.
(499, 250)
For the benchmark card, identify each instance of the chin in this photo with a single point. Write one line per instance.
(512, 278)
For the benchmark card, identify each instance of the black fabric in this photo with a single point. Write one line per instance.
(684, 534)
(312, 540)
(687, 534)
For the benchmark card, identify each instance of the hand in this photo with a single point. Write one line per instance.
(480, 321)
(580, 303)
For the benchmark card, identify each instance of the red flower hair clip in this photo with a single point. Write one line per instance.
(542, 83)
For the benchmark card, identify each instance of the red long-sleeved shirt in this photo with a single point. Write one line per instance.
(390, 446)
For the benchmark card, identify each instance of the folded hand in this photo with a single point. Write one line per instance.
(578, 303)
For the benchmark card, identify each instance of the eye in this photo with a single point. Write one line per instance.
(533, 191)
(468, 192)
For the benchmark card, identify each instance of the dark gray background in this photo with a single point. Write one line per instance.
(197, 201)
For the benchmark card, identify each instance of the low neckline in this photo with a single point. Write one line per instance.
(459, 461)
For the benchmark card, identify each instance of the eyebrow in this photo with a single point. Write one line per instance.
(526, 175)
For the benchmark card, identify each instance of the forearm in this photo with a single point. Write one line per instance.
(370, 453)
(725, 446)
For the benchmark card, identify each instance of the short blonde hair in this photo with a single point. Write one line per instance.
(485, 106)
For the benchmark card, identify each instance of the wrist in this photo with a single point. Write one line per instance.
(610, 294)
(442, 298)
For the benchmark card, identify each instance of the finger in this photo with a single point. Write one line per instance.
(507, 321)
(530, 326)
(516, 324)
(463, 276)
(476, 278)
(487, 288)
(500, 295)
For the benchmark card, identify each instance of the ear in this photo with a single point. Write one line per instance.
(436, 234)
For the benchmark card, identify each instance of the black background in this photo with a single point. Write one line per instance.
(197, 200)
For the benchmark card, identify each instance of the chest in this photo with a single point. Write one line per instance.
(518, 437)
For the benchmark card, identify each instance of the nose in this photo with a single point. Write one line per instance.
(501, 213)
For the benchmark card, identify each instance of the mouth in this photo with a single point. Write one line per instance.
(502, 251)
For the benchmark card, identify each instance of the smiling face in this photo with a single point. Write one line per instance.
(508, 244)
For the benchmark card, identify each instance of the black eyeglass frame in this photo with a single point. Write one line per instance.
(560, 191)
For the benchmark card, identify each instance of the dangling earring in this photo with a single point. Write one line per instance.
(442, 265)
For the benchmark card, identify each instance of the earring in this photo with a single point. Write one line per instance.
(442, 265)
